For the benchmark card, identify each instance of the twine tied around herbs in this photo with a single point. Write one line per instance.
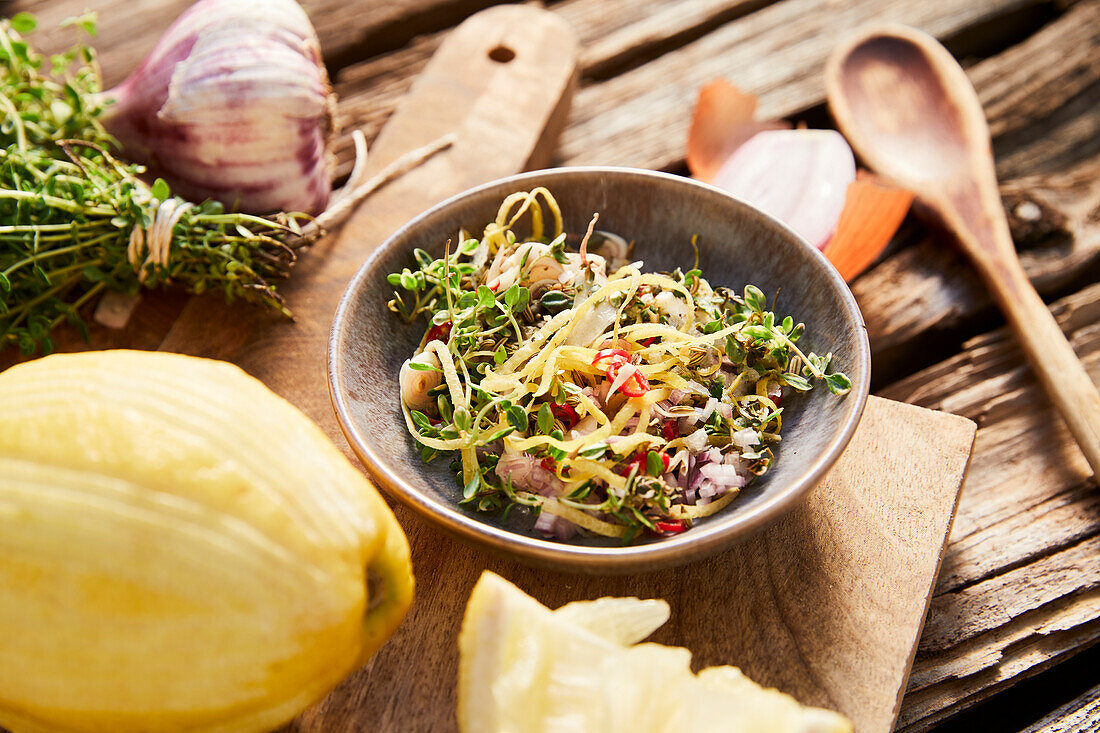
(152, 247)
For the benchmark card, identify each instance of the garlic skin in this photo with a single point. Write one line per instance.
(233, 104)
(800, 177)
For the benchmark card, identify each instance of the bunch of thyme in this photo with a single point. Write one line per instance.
(75, 221)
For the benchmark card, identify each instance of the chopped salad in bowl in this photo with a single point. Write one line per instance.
(570, 382)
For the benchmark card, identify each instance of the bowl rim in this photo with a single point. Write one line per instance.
(679, 549)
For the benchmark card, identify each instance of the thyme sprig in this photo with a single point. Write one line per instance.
(69, 207)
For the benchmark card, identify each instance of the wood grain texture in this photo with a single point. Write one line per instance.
(505, 116)
(809, 605)
(611, 33)
(1081, 715)
(641, 118)
(1020, 585)
(128, 29)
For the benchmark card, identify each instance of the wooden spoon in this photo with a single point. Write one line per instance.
(910, 112)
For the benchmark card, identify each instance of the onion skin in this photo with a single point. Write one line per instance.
(233, 104)
(180, 549)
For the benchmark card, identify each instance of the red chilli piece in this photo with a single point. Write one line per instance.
(441, 332)
(670, 429)
(649, 341)
(612, 357)
(672, 527)
(641, 460)
(566, 414)
(635, 386)
(611, 361)
(638, 459)
(549, 464)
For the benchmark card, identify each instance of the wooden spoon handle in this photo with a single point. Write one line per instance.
(1053, 359)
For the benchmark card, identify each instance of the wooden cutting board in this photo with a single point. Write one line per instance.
(826, 604)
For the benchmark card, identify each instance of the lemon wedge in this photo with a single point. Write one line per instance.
(526, 669)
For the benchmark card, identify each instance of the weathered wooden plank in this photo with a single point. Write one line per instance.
(348, 29)
(641, 118)
(1030, 647)
(1029, 491)
(612, 33)
(618, 32)
(1080, 715)
(1020, 584)
(961, 671)
(957, 616)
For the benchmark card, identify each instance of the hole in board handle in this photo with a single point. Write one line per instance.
(502, 54)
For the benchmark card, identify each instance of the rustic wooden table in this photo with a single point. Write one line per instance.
(1019, 590)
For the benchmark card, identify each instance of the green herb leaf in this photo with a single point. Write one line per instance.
(555, 301)
(545, 420)
(161, 190)
(500, 355)
(417, 366)
(470, 490)
(797, 382)
(734, 352)
(485, 297)
(420, 420)
(499, 435)
(522, 301)
(511, 296)
(758, 333)
(462, 419)
(594, 451)
(517, 417)
(655, 466)
(557, 250)
(838, 383)
(444, 406)
(23, 23)
(754, 298)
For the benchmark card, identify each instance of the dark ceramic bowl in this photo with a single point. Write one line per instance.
(661, 212)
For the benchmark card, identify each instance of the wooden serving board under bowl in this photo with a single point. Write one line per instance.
(826, 604)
